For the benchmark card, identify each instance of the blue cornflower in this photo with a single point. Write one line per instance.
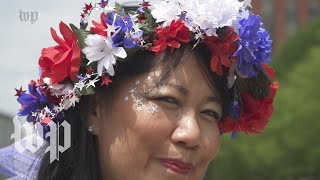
(33, 102)
(254, 44)
(122, 38)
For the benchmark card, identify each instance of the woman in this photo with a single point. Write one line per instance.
(148, 91)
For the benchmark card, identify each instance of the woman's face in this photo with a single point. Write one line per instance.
(168, 132)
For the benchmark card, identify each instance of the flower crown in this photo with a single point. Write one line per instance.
(85, 57)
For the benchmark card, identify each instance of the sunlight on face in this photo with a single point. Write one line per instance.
(163, 132)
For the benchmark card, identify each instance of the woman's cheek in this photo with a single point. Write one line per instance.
(153, 127)
(211, 142)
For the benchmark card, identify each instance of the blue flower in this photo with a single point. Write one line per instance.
(234, 110)
(33, 102)
(127, 42)
(122, 37)
(254, 45)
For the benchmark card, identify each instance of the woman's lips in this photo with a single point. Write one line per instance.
(177, 166)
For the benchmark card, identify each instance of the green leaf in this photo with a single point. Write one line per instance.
(81, 35)
(118, 8)
(86, 91)
(150, 21)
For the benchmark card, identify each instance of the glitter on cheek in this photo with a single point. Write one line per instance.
(138, 101)
(153, 109)
(133, 90)
(139, 108)
(138, 87)
(137, 82)
(133, 94)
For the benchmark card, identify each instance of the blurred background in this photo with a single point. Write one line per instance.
(289, 149)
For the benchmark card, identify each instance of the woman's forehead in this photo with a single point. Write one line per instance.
(187, 75)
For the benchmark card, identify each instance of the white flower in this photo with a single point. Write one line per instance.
(247, 3)
(100, 49)
(206, 14)
(166, 11)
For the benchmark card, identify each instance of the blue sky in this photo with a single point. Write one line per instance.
(21, 42)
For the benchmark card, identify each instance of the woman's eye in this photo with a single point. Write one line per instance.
(168, 100)
(212, 114)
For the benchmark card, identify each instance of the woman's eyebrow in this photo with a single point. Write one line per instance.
(214, 99)
(184, 91)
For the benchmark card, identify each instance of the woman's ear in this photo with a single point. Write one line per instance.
(94, 116)
(98, 109)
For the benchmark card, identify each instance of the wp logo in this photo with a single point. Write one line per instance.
(28, 16)
(34, 140)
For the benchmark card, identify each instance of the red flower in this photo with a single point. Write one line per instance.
(100, 28)
(63, 60)
(255, 114)
(222, 50)
(170, 36)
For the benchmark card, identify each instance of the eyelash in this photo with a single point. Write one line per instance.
(212, 114)
(168, 100)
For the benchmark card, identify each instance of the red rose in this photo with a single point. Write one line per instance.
(170, 37)
(222, 50)
(255, 114)
(63, 60)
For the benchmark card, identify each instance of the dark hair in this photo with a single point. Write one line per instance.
(80, 161)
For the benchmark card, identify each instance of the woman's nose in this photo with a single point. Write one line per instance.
(187, 133)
